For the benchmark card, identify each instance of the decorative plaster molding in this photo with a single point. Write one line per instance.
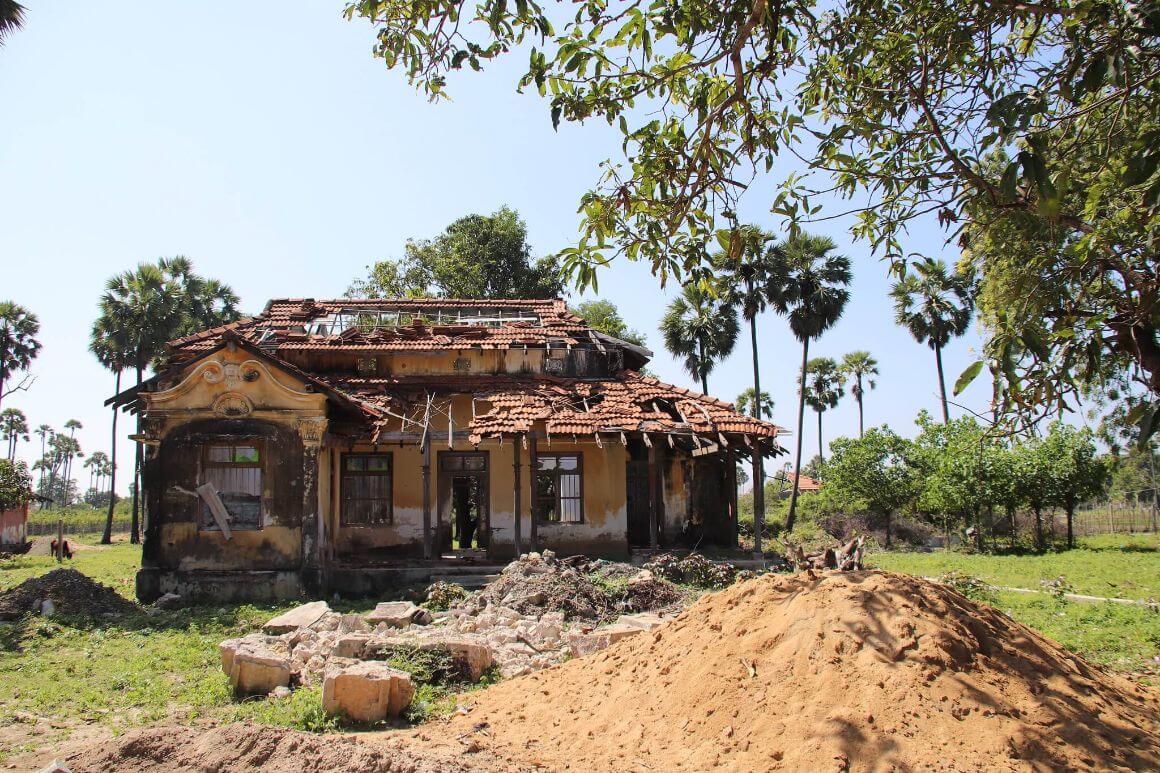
(233, 405)
(233, 376)
(311, 429)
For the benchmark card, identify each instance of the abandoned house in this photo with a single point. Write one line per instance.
(335, 446)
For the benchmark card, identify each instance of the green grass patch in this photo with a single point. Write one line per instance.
(113, 565)
(1120, 636)
(1120, 566)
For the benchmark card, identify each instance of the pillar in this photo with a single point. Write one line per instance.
(311, 430)
(516, 515)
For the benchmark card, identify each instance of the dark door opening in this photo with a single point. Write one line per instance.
(464, 516)
(637, 504)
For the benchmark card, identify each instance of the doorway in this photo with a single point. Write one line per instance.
(464, 516)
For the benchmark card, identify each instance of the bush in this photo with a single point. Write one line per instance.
(441, 596)
(693, 569)
(15, 485)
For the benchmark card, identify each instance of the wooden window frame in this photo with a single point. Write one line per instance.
(208, 464)
(343, 472)
(537, 498)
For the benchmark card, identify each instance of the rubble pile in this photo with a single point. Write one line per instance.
(64, 592)
(538, 583)
(693, 569)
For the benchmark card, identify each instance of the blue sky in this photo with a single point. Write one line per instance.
(268, 145)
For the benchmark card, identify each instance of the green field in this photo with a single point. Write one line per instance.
(147, 668)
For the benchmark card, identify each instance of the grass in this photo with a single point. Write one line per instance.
(1121, 566)
(1120, 636)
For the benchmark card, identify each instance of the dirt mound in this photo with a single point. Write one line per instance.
(861, 670)
(71, 593)
(247, 746)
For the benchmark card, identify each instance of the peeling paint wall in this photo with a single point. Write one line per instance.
(227, 397)
(13, 526)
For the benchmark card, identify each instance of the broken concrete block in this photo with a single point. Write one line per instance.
(351, 645)
(398, 614)
(594, 641)
(352, 623)
(366, 692)
(471, 656)
(280, 692)
(299, 617)
(255, 667)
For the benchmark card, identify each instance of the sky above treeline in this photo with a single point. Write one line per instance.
(271, 148)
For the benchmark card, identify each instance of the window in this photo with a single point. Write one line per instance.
(235, 470)
(366, 490)
(559, 488)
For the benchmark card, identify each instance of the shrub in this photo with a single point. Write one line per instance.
(693, 569)
(15, 485)
(441, 596)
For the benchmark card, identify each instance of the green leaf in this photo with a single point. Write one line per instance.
(967, 376)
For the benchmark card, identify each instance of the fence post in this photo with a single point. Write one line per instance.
(60, 541)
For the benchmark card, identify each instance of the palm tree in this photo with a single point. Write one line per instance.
(935, 305)
(143, 309)
(45, 432)
(744, 273)
(862, 367)
(748, 405)
(807, 284)
(822, 389)
(113, 348)
(700, 328)
(14, 427)
(97, 462)
(11, 18)
(18, 345)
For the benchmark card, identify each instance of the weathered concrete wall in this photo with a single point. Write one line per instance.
(13, 526)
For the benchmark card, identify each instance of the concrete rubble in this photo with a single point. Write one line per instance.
(540, 612)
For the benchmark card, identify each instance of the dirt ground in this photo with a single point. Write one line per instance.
(834, 671)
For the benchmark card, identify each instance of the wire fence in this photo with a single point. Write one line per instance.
(1111, 519)
(38, 529)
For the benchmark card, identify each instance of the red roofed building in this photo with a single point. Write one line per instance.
(338, 445)
(806, 484)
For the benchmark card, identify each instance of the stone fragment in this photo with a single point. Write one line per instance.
(255, 666)
(280, 692)
(594, 641)
(398, 614)
(168, 601)
(299, 617)
(471, 656)
(351, 645)
(367, 691)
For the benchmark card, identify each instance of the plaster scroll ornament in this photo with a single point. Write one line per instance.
(231, 373)
(232, 405)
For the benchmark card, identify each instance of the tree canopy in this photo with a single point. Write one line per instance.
(1035, 119)
(477, 256)
(604, 316)
(18, 344)
(700, 328)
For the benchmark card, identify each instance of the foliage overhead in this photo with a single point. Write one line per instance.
(1000, 119)
(477, 256)
(824, 384)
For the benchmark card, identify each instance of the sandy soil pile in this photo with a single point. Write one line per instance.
(246, 746)
(862, 670)
(71, 592)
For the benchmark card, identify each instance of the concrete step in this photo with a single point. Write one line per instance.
(470, 581)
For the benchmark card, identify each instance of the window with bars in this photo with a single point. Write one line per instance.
(235, 470)
(366, 490)
(559, 488)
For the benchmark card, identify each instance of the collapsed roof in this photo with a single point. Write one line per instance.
(627, 403)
